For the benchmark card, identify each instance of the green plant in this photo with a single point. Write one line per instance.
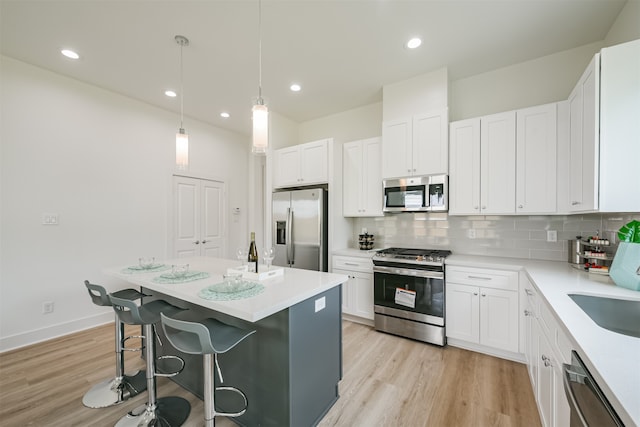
(630, 232)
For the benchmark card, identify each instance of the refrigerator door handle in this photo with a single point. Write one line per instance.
(290, 253)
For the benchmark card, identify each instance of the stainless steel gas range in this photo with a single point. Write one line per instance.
(409, 292)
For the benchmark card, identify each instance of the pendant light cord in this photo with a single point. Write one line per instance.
(260, 52)
(181, 89)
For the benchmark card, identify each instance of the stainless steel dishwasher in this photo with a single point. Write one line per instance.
(589, 406)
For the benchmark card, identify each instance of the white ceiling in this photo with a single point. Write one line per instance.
(341, 51)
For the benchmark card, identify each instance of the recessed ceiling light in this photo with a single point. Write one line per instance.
(225, 115)
(69, 54)
(414, 43)
(295, 87)
(170, 93)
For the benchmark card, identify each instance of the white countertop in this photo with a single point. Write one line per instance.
(355, 252)
(613, 359)
(280, 292)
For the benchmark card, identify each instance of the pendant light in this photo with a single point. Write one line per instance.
(182, 139)
(260, 111)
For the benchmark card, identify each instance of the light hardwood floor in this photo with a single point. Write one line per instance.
(387, 381)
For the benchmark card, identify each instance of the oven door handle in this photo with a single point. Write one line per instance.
(408, 272)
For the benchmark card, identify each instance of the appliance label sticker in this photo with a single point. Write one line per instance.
(405, 297)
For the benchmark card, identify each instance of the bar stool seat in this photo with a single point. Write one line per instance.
(209, 338)
(118, 389)
(165, 411)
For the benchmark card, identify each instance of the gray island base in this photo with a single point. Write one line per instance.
(290, 368)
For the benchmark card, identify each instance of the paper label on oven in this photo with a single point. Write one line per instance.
(406, 297)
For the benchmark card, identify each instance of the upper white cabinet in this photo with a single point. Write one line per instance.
(362, 180)
(416, 145)
(620, 128)
(303, 164)
(536, 154)
(604, 133)
(483, 167)
(583, 140)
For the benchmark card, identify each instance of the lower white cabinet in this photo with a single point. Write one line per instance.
(482, 307)
(546, 349)
(357, 292)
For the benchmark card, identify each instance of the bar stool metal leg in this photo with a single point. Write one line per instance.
(118, 389)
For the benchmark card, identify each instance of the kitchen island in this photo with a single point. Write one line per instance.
(291, 367)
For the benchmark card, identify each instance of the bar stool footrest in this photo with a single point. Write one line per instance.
(159, 362)
(233, 414)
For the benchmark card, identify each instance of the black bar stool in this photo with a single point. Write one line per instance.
(209, 338)
(121, 387)
(165, 411)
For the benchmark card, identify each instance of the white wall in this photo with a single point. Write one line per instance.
(420, 94)
(352, 125)
(627, 25)
(103, 162)
(539, 81)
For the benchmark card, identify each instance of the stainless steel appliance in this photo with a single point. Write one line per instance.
(408, 287)
(428, 193)
(589, 406)
(300, 228)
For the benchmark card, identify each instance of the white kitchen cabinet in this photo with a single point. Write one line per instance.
(482, 307)
(584, 112)
(357, 292)
(417, 145)
(546, 348)
(362, 178)
(483, 165)
(536, 154)
(300, 165)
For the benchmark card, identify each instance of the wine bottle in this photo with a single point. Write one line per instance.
(253, 254)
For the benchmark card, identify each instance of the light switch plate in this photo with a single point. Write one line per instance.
(552, 236)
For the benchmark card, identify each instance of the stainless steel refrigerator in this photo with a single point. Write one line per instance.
(300, 228)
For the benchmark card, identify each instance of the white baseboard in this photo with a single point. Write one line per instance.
(516, 357)
(54, 331)
(357, 319)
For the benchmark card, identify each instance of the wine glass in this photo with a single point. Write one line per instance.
(242, 254)
(269, 254)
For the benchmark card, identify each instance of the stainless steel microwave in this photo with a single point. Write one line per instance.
(429, 193)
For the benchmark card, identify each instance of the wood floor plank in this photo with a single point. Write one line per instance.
(387, 381)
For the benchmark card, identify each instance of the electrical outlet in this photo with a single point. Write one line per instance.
(50, 219)
(552, 236)
(471, 233)
(47, 307)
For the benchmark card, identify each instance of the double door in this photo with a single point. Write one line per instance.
(198, 212)
(483, 165)
(362, 181)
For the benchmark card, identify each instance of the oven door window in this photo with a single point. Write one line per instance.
(405, 197)
(409, 293)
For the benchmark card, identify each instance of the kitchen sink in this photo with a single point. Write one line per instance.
(617, 315)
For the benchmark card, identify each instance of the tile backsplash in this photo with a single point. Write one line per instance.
(507, 236)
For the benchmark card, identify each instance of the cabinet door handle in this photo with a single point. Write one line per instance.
(528, 291)
(204, 241)
(475, 207)
(520, 206)
(484, 295)
(197, 242)
(479, 277)
(475, 293)
(575, 203)
(351, 263)
(527, 313)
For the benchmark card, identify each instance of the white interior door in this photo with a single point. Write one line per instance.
(198, 217)
(212, 219)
